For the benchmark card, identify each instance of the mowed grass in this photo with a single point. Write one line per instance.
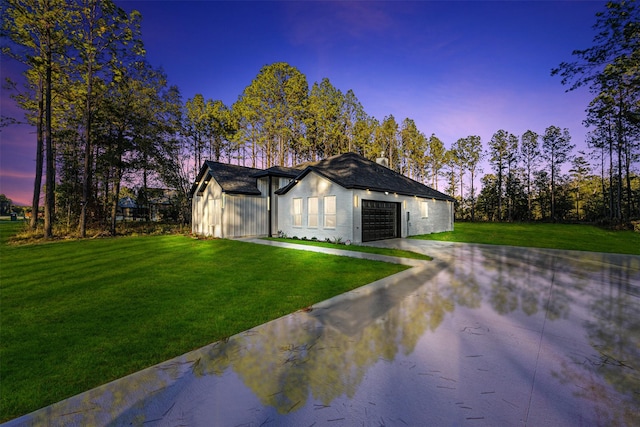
(357, 248)
(78, 314)
(557, 236)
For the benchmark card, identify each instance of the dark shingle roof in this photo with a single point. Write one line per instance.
(232, 178)
(283, 171)
(353, 171)
(348, 170)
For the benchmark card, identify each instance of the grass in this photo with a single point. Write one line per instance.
(77, 314)
(368, 249)
(556, 236)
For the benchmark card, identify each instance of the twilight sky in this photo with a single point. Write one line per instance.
(457, 68)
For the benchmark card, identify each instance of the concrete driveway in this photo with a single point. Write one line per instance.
(481, 336)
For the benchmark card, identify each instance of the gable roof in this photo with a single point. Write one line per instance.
(233, 179)
(282, 171)
(353, 171)
(350, 170)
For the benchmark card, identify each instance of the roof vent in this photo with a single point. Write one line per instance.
(382, 160)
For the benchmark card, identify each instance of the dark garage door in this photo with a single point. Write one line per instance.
(379, 220)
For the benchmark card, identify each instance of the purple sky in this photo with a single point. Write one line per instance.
(456, 68)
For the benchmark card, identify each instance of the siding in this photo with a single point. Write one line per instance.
(207, 211)
(244, 216)
(221, 215)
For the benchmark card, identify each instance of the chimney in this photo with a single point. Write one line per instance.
(382, 160)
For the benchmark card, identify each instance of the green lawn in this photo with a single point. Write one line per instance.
(78, 314)
(557, 236)
(356, 248)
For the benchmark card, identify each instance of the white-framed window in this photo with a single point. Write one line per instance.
(330, 212)
(424, 210)
(297, 212)
(312, 212)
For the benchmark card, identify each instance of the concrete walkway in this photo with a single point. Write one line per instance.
(340, 252)
(481, 336)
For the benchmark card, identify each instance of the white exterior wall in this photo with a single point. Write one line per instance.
(439, 216)
(314, 185)
(274, 202)
(226, 216)
(206, 211)
(216, 214)
(439, 219)
(349, 211)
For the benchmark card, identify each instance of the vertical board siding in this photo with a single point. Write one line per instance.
(245, 216)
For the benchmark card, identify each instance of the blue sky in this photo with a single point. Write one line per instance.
(457, 68)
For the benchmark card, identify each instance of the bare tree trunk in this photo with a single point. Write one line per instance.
(611, 203)
(627, 166)
(49, 202)
(37, 183)
(86, 183)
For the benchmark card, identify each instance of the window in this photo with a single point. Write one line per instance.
(297, 212)
(312, 219)
(330, 212)
(424, 210)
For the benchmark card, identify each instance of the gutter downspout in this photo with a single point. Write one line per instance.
(269, 194)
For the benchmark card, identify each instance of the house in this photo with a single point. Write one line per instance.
(344, 197)
(158, 206)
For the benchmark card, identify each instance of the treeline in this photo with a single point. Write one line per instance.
(102, 113)
(106, 119)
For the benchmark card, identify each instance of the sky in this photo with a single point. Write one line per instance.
(457, 68)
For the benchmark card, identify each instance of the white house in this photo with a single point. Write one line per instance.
(344, 197)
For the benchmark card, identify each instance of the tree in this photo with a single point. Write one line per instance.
(498, 153)
(530, 155)
(39, 35)
(386, 141)
(270, 108)
(449, 167)
(556, 150)
(195, 125)
(413, 148)
(364, 137)
(101, 38)
(470, 148)
(5, 205)
(436, 158)
(354, 117)
(458, 159)
(220, 129)
(542, 189)
(172, 155)
(579, 172)
(324, 123)
(611, 70)
(511, 163)
(488, 197)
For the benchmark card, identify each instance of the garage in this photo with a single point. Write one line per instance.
(380, 220)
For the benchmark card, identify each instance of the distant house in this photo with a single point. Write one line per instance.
(127, 210)
(158, 206)
(345, 197)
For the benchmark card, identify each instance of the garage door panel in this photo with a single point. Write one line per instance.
(379, 220)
